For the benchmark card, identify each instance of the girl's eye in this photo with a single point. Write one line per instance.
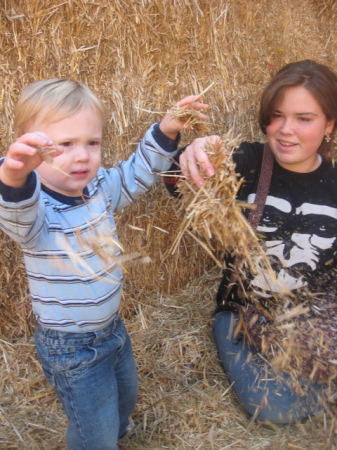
(65, 144)
(304, 119)
(275, 115)
(94, 143)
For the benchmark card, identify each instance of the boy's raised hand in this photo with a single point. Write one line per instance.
(194, 157)
(23, 157)
(171, 126)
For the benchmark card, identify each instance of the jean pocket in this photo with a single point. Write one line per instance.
(56, 358)
(72, 361)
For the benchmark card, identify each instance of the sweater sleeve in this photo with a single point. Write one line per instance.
(135, 176)
(21, 212)
(10, 194)
(173, 175)
(164, 141)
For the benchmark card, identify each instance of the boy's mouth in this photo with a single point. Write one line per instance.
(80, 173)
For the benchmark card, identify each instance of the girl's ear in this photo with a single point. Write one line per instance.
(329, 126)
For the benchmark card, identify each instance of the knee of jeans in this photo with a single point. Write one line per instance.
(258, 409)
(225, 324)
(277, 417)
(280, 411)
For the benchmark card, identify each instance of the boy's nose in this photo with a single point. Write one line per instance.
(82, 153)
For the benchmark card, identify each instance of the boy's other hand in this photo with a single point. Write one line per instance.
(171, 126)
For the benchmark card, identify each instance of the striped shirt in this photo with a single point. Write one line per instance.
(70, 247)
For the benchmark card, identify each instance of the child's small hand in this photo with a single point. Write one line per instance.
(170, 125)
(23, 157)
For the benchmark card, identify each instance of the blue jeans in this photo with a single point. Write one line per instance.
(95, 378)
(265, 396)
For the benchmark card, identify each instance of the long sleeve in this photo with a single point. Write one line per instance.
(72, 261)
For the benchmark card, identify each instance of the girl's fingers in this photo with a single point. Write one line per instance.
(194, 161)
(190, 168)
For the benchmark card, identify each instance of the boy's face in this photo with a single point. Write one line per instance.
(80, 136)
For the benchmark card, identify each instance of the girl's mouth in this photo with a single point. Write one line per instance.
(286, 144)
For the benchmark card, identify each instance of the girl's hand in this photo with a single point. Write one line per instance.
(195, 158)
(171, 126)
(23, 156)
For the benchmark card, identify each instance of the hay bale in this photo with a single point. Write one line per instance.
(124, 52)
(138, 57)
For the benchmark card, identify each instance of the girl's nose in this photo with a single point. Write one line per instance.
(287, 127)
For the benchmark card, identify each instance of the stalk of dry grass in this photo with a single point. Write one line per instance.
(192, 118)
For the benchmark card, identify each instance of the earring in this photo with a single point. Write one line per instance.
(327, 138)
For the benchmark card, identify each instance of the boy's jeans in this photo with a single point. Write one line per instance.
(95, 378)
(265, 397)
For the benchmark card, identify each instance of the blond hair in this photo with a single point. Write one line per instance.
(55, 99)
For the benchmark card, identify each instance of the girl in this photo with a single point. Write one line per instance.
(298, 224)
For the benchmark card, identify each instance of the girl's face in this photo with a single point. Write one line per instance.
(297, 129)
(80, 136)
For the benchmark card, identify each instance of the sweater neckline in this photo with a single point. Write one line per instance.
(65, 199)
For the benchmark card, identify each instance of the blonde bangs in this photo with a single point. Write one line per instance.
(54, 100)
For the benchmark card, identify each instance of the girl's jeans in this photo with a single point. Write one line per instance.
(264, 395)
(95, 378)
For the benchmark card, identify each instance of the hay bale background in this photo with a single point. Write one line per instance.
(144, 55)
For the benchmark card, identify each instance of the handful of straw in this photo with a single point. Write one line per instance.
(192, 118)
(214, 216)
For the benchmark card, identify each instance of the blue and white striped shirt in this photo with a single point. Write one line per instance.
(74, 286)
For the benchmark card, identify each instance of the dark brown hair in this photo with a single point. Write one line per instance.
(317, 78)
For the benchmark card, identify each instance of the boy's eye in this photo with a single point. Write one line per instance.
(94, 143)
(65, 144)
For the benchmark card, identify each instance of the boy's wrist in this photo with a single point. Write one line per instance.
(166, 127)
(166, 142)
(17, 194)
(170, 135)
(13, 183)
